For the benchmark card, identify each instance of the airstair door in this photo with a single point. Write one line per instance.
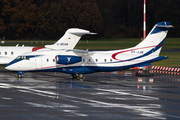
(38, 62)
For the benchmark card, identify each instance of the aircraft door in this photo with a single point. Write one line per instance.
(38, 60)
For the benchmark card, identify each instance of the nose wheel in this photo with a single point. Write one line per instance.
(20, 74)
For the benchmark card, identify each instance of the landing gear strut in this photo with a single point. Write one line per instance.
(20, 74)
(79, 76)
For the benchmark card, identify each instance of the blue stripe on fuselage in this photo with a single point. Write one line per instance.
(154, 49)
(92, 69)
(18, 60)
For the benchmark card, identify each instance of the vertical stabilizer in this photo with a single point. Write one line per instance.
(69, 39)
(154, 40)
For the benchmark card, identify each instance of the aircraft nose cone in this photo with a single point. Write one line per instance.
(8, 67)
(11, 65)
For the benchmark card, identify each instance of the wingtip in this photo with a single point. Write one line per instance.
(92, 33)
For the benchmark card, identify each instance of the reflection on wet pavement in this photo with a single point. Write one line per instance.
(120, 95)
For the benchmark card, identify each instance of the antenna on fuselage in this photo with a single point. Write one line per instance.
(17, 45)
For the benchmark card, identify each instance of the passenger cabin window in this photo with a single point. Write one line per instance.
(22, 58)
(5, 53)
(104, 60)
(53, 60)
(83, 60)
(47, 60)
(12, 53)
(96, 60)
(111, 60)
(89, 60)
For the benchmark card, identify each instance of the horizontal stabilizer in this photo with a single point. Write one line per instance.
(80, 33)
(159, 58)
(163, 26)
(152, 60)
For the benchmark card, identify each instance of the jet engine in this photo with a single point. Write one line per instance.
(67, 59)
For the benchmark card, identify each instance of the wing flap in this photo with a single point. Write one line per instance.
(81, 52)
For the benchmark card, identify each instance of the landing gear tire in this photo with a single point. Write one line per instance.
(79, 76)
(73, 76)
(19, 76)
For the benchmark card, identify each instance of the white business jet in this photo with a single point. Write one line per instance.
(80, 62)
(68, 41)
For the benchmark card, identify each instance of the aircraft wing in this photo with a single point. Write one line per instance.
(81, 52)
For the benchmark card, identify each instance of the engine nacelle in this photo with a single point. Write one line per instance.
(67, 59)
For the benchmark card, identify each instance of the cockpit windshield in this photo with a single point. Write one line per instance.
(22, 58)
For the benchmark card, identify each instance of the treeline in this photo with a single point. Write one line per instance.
(49, 19)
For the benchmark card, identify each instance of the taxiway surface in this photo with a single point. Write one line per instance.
(102, 96)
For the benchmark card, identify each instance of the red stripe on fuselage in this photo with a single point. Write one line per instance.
(114, 55)
(48, 67)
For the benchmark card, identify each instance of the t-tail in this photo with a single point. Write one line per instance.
(152, 44)
(69, 39)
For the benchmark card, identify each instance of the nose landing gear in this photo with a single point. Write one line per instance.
(20, 74)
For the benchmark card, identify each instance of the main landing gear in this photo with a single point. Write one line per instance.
(79, 76)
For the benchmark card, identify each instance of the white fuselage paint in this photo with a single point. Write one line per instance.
(45, 59)
(7, 54)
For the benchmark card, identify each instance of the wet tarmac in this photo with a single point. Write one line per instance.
(101, 96)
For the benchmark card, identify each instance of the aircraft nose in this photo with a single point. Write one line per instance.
(11, 65)
(8, 67)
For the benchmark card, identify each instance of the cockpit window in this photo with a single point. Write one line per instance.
(22, 58)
